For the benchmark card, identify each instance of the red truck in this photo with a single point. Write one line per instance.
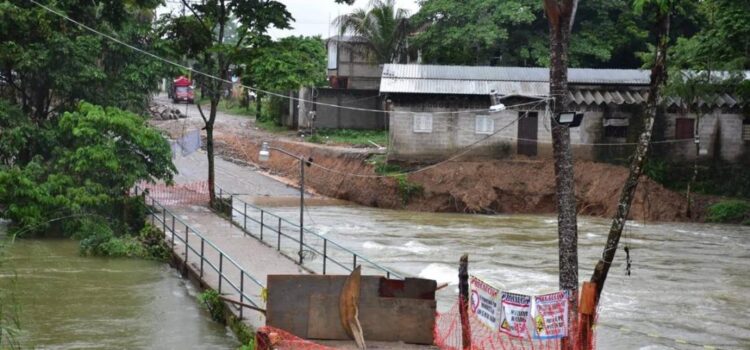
(182, 90)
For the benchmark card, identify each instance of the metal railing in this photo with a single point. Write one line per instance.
(203, 249)
(260, 224)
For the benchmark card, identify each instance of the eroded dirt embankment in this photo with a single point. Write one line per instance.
(488, 186)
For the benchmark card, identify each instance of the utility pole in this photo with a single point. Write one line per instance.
(560, 15)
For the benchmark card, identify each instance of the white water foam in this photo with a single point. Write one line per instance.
(415, 247)
(441, 273)
(373, 245)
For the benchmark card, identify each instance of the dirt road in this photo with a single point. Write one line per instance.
(461, 185)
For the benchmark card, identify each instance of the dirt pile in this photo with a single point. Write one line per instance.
(488, 186)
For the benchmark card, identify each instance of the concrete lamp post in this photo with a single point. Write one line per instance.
(264, 155)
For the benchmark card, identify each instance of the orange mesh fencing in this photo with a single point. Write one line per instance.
(270, 338)
(193, 193)
(448, 336)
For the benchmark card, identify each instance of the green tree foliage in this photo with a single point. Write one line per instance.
(216, 33)
(290, 63)
(479, 31)
(384, 28)
(723, 41)
(514, 33)
(48, 64)
(78, 180)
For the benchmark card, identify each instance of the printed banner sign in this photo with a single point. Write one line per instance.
(484, 302)
(514, 313)
(550, 315)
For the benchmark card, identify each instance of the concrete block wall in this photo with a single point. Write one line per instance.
(452, 133)
(720, 135)
(339, 118)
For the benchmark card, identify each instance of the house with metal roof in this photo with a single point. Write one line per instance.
(438, 111)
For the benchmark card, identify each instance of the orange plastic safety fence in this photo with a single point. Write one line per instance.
(270, 338)
(193, 193)
(448, 336)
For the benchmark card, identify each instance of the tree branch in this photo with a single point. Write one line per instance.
(200, 20)
(200, 110)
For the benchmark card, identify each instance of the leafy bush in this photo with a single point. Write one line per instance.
(382, 167)
(407, 189)
(76, 183)
(217, 309)
(153, 241)
(244, 334)
(730, 211)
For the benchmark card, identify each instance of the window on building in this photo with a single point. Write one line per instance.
(484, 125)
(746, 129)
(423, 122)
(684, 128)
(616, 131)
(616, 127)
(333, 51)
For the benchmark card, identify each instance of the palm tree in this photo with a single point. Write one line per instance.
(383, 27)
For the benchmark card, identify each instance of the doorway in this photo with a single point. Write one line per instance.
(528, 128)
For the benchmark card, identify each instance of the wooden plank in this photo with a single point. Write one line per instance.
(383, 319)
(288, 302)
(415, 288)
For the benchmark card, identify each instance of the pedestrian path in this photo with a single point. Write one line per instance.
(221, 255)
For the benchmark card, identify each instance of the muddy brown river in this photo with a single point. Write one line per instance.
(71, 302)
(689, 287)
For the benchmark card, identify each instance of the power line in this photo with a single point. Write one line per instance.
(57, 13)
(456, 155)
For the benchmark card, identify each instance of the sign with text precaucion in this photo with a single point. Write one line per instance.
(550, 314)
(484, 302)
(514, 313)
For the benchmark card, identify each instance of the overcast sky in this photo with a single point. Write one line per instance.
(312, 17)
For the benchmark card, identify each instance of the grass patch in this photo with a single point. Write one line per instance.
(350, 137)
(730, 211)
(219, 313)
(406, 188)
(271, 126)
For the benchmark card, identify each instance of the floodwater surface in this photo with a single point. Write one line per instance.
(71, 302)
(689, 282)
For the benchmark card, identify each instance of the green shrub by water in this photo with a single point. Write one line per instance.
(714, 178)
(210, 298)
(730, 211)
(98, 239)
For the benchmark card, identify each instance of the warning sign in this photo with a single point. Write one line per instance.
(550, 315)
(484, 302)
(514, 313)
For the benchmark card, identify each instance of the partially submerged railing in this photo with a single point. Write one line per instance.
(204, 249)
(258, 223)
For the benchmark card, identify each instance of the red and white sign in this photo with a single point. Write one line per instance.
(550, 315)
(514, 314)
(484, 302)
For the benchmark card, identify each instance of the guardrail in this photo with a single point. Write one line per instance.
(202, 248)
(258, 223)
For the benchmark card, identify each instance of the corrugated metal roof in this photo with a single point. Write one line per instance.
(461, 74)
(624, 86)
(462, 87)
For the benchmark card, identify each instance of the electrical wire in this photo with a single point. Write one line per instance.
(456, 155)
(207, 75)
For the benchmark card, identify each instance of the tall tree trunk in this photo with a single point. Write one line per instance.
(658, 78)
(560, 14)
(210, 149)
